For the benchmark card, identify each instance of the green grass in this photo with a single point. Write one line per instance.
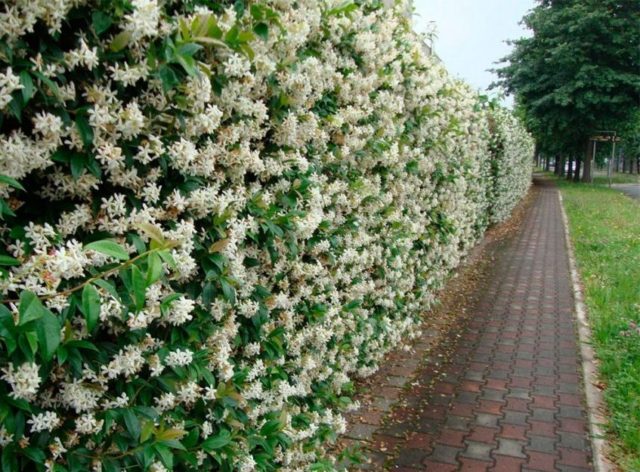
(605, 230)
(616, 178)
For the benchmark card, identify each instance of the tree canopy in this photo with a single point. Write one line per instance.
(578, 73)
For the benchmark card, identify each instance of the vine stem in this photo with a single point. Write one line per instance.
(106, 273)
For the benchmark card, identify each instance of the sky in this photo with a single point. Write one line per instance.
(471, 34)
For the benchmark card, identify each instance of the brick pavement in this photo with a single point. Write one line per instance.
(502, 391)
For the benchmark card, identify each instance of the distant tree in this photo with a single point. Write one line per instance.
(579, 73)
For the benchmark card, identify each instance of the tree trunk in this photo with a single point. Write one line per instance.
(586, 172)
(547, 163)
(563, 162)
(576, 174)
(570, 167)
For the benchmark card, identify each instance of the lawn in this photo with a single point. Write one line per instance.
(605, 230)
(600, 178)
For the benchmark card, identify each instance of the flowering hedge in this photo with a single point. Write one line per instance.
(512, 149)
(214, 217)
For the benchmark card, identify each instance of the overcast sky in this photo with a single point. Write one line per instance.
(471, 34)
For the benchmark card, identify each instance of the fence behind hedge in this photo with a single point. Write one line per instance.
(215, 218)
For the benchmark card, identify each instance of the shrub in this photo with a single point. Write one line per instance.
(214, 218)
(512, 149)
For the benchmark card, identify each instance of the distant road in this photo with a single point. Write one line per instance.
(631, 190)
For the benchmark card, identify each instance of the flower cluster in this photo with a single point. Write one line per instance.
(214, 216)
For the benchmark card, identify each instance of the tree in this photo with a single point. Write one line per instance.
(578, 73)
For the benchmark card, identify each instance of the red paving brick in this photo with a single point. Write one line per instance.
(497, 401)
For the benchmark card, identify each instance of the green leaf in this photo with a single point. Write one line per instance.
(154, 269)
(9, 458)
(35, 454)
(103, 284)
(345, 8)
(166, 456)
(51, 85)
(91, 306)
(77, 165)
(120, 41)
(30, 307)
(85, 130)
(8, 261)
(139, 287)
(28, 90)
(168, 77)
(48, 330)
(108, 248)
(167, 257)
(101, 22)
(147, 430)
(154, 233)
(228, 291)
(262, 31)
(217, 441)
(11, 182)
(32, 339)
(188, 49)
(132, 423)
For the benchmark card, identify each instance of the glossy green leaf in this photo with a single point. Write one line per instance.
(139, 287)
(132, 423)
(154, 268)
(217, 441)
(108, 248)
(28, 89)
(262, 31)
(30, 307)
(48, 329)
(11, 182)
(8, 261)
(91, 306)
(120, 41)
(101, 22)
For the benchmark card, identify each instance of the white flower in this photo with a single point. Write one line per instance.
(24, 380)
(87, 424)
(189, 393)
(79, 396)
(180, 311)
(247, 464)
(144, 19)
(5, 437)
(179, 358)
(56, 448)
(9, 83)
(44, 421)
(166, 401)
(157, 467)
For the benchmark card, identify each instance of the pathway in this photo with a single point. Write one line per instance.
(503, 390)
(631, 190)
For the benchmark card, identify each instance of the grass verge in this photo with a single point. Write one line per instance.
(616, 178)
(605, 230)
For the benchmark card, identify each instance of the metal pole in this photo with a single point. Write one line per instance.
(613, 153)
(593, 162)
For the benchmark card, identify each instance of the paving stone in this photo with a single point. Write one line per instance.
(444, 454)
(478, 450)
(573, 440)
(361, 431)
(510, 447)
(541, 444)
(411, 457)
